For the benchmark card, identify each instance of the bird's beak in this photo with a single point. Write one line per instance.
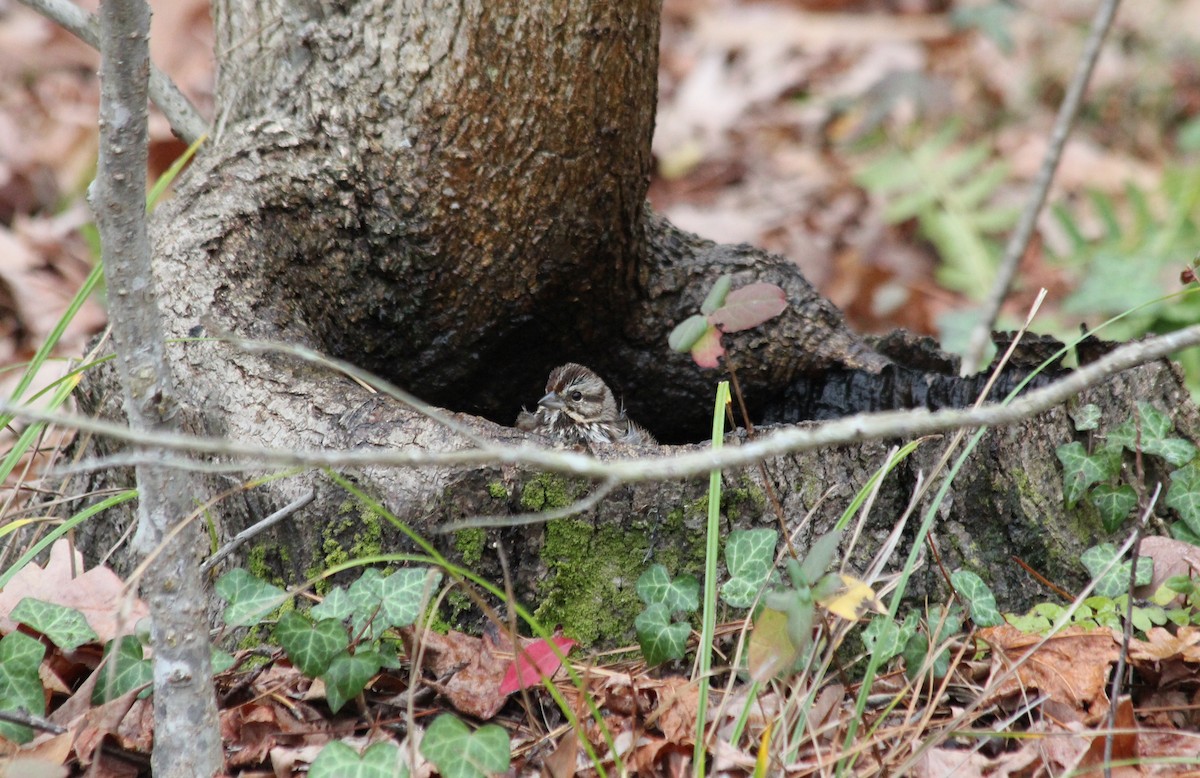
(552, 401)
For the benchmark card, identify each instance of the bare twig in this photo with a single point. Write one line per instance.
(535, 517)
(790, 440)
(240, 539)
(1019, 240)
(185, 120)
(27, 719)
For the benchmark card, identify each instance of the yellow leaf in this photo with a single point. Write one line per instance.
(852, 600)
(771, 650)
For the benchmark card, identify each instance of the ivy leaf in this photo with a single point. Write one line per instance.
(249, 598)
(1114, 504)
(749, 307)
(979, 598)
(1184, 495)
(133, 670)
(348, 674)
(655, 586)
(1151, 436)
(66, 627)
(749, 555)
(1116, 581)
(20, 684)
(1086, 417)
(338, 760)
(336, 605)
(460, 753)
(311, 647)
(885, 639)
(1081, 470)
(659, 638)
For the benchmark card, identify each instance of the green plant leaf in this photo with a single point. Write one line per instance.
(1115, 582)
(800, 617)
(311, 647)
(941, 629)
(336, 605)
(404, 594)
(716, 295)
(460, 753)
(348, 674)
(882, 637)
(1181, 531)
(687, 333)
(993, 19)
(249, 598)
(655, 586)
(66, 627)
(1114, 504)
(1154, 438)
(20, 684)
(749, 557)
(979, 598)
(381, 602)
(1081, 470)
(220, 660)
(914, 653)
(132, 671)
(1086, 417)
(659, 639)
(339, 760)
(820, 556)
(1183, 495)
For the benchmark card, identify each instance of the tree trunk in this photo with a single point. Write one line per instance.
(451, 195)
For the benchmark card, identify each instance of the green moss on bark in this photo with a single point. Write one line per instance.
(469, 543)
(350, 537)
(593, 572)
(546, 491)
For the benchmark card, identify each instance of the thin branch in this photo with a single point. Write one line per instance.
(1019, 240)
(534, 517)
(854, 429)
(240, 539)
(185, 120)
(187, 740)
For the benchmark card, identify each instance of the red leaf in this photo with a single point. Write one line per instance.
(708, 350)
(749, 307)
(536, 660)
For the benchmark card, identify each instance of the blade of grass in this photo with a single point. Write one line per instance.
(711, 554)
(63, 529)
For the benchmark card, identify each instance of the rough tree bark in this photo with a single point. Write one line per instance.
(452, 196)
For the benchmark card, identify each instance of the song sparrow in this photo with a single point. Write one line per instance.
(580, 408)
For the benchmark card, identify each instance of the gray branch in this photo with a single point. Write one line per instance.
(185, 120)
(854, 429)
(187, 740)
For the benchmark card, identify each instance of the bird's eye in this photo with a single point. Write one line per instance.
(576, 395)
